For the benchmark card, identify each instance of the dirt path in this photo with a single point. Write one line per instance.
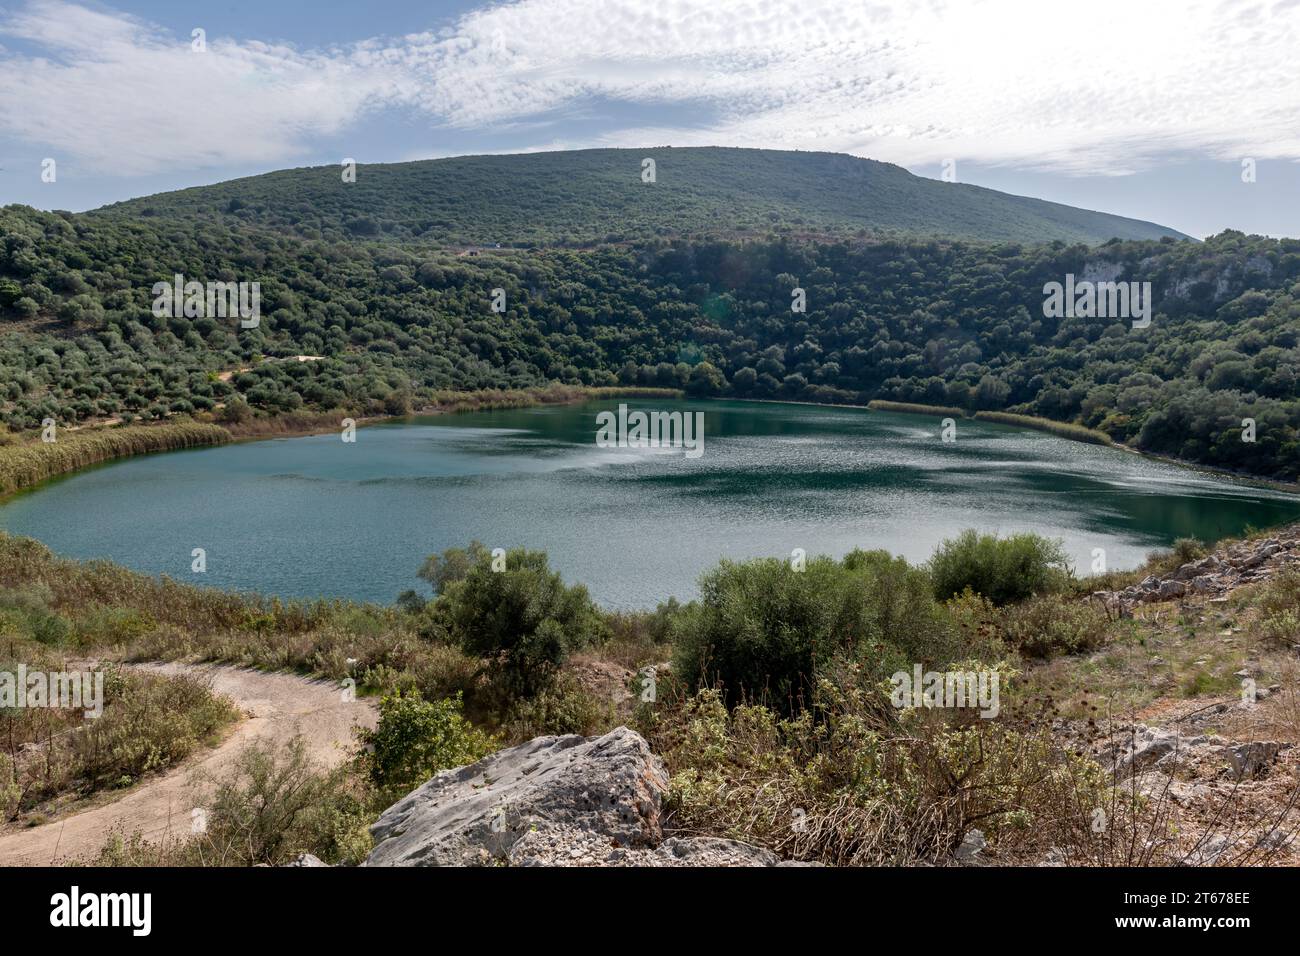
(279, 706)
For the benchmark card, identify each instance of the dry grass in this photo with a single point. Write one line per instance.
(863, 784)
(1060, 429)
(150, 722)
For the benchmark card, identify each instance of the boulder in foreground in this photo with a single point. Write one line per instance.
(553, 801)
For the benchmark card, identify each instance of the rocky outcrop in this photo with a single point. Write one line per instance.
(569, 846)
(1151, 752)
(1250, 760)
(554, 801)
(1214, 575)
(1145, 748)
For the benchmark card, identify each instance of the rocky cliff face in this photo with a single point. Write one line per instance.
(553, 801)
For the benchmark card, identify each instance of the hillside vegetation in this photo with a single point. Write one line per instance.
(389, 326)
(597, 195)
(777, 704)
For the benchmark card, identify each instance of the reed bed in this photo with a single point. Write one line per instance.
(912, 408)
(26, 463)
(1060, 429)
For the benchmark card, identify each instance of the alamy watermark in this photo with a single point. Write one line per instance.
(75, 908)
(210, 300)
(62, 690)
(1098, 300)
(651, 430)
(948, 689)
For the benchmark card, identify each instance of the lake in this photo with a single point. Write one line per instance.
(316, 516)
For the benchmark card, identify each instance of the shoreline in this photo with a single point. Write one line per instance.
(1289, 487)
(314, 423)
(1248, 531)
(283, 426)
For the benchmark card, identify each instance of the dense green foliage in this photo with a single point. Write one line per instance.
(597, 195)
(764, 630)
(416, 738)
(1003, 570)
(930, 322)
(511, 610)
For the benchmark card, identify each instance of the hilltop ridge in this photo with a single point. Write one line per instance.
(589, 196)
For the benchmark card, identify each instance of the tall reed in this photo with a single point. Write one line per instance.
(26, 463)
(1060, 429)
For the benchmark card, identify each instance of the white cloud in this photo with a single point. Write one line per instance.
(124, 97)
(1104, 86)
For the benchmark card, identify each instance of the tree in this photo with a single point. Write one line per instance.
(513, 611)
(705, 380)
(744, 380)
(763, 629)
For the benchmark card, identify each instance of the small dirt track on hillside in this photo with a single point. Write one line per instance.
(278, 706)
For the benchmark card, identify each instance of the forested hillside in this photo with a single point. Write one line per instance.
(598, 195)
(940, 322)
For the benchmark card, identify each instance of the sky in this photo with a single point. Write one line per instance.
(1146, 108)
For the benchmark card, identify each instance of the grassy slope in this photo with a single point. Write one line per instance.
(593, 195)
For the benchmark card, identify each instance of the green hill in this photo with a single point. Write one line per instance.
(396, 324)
(597, 195)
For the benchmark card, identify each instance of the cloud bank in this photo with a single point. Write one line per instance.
(1104, 87)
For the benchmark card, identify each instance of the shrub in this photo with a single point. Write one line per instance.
(1053, 624)
(1003, 570)
(416, 738)
(443, 671)
(1281, 628)
(564, 708)
(10, 791)
(270, 807)
(1183, 551)
(99, 626)
(1279, 609)
(978, 625)
(150, 721)
(521, 617)
(864, 786)
(641, 637)
(1188, 549)
(26, 612)
(763, 630)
